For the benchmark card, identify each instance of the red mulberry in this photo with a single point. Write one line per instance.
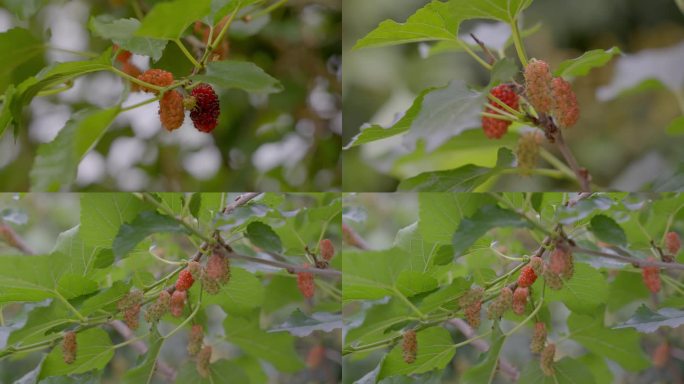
(410, 346)
(495, 128)
(520, 300)
(69, 347)
(158, 77)
(315, 356)
(130, 306)
(207, 109)
(527, 277)
(184, 281)
(216, 273)
(661, 355)
(159, 308)
(672, 242)
(171, 111)
(327, 249)
(538, 85)
(178, 302)
(565, 106)
(546, 360)
(305, 283)
(472, 313)
(651, 276)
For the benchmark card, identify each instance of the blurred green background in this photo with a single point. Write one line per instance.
(621, 141)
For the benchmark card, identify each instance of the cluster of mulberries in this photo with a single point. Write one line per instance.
(527, 151)
(471, 302)
(502, 304)
(203, 361)
(177, 303)
(559, 268)
(130, 306)
(409, 346)
(305, 283)
(207, 109)
(159, 307)
(327, 249)
(216, 273)
(520, 296)
(495, 128)
(549, 95)
(69, 347)
(538, 338)
(651, 277)
(195, 339)
(546, 360)
(185, 280)
(527, 277)
(672, 243)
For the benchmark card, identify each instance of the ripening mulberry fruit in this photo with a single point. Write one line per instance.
(527, 277)
(130, 306)
(553, 280)
(537, 264)
(158, 77)
(538, 81)
(123, 56)
(305, 283)
(203, 361)
(195, 269)
(195, 339)
(651, 276)
(495, 128)
(216, 273)
(207, 109)
(561, 263)
(472, 313)
(410, 346)
(184, 281)
(538, 338)
(520, 300)
(473, 295)
(502, 304)
(565, 107)
(69, 347)
(672, 243)
(178, 302)
(171, 111)
(315, 356)
(327, 249)
(159, 308)
(527, 151)
(661, 355)
(546, 360)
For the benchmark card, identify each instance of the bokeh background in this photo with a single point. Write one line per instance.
(287, 141)
(621, 137)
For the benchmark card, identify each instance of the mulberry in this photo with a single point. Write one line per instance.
(158, 77)
(538, 338)
(538, 81)
(661, 355)
(472, 313)
(203, 361)
(216, 273)
(552, 280)
(178, 302)
(130, 306)
(651, 276)
(501, 304)
(195, 339)
(495, 128)
(69, 347)
(520, 300)
(565, 106)
(672, 243)
(184, 281)
(561, 263)
(410, 346)
(327, 249)
(527, 151)
(159, 308)
(473, 295)
(546, 360)
(207, 109)
(537, 264)
(171, 111)
(527, 277)
(305, 283)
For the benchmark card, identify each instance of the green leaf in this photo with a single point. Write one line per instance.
(262, 235)
(21, 51)
(485, 371)
(625, 288)
(222, 371)
(435, 351)
(568, 371)
(300, 325)
(440, 213)
(169, 20)
(41, 323)
(57, 162)
(489, 217)
(607, 230)
(503, 10)
(241, 75)
(647, 321)
(105, 299)
(412, 283)
(122, 32)
(144, 372)
(676, 126)
(378, 324)
(145, 224)
(72, 285)
(94, 352)
(620, 345)
(243, 293)
(581, 66)
(584, 292)
(276, 348)
(103, 213)
(6, 114)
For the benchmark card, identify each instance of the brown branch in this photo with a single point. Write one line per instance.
(490, 57)
(13, 239)
(161, 367)
(504, 365)
(287, 266)
(239, 201)
(639, 263)
(580, 196)
(352, 238)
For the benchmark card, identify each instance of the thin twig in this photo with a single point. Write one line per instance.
(13, 239)
(490, 57)
(239, 201)
(629, 259)
(352, 238)
(580, 196)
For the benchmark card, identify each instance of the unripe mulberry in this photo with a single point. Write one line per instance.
(553, 280)
(171, 112)
(410, 346)
(472, 313)
(527, 151)
(520, 300)
(207, 109)
(527, 277)
(502, 304)
(538, 80)
(158, 77)
(327, 249)
(184, 281)
(651, 276)
(69, 347)
(537, 264)
(538, 338)
(195, 269)
(565, 107)
(661, 355)
(495, 128)
(216, 273)
(203, 361)
(305, 283)
(546, 360)
(315, 356)
(672, 243)
(561, 263)
(195, 339)
(178, 302)
(159, 308)
(130, 306)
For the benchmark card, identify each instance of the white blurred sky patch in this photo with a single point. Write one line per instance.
(5, 20)
(133, 179)
(203, 164)
(287, 152)
(143, 120)
(47, 119)
(124, 153)
(91, 169)
(67, 23)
